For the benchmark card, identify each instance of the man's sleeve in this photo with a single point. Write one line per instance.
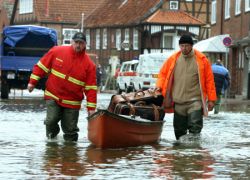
(91, 88)
(162, 75)
(210, 85)
(41, 68)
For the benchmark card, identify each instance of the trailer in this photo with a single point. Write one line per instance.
(21, 48)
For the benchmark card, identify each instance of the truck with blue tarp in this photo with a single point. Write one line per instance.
(21, 48)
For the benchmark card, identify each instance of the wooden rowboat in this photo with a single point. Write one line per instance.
(109, 130)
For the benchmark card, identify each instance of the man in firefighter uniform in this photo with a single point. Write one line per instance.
(187, 83)
(71, 76)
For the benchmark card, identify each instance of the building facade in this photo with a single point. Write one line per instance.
(105, 20)
(64, 16)
(125, 29)
(6, 8)
(233, 17)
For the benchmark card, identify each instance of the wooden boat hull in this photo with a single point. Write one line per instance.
(109, 130)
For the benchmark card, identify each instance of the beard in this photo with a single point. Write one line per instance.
(79, 49)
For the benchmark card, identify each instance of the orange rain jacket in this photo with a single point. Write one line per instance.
(206, 79)
(70, 76)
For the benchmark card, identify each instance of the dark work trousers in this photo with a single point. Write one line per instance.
(188, 118)
(68, 118)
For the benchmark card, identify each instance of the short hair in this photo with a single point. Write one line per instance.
(186, 39)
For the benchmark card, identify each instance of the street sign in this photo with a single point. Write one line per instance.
(227, 41)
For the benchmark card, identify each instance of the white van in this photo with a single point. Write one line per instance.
(125, 76)
(148, 69)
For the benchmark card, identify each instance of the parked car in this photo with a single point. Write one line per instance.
(147, 70)
(126, 75)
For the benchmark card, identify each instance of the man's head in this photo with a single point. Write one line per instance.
(218, 62)
(79, 42)
(186, 44)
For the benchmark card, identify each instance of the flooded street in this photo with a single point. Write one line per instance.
(223, 152)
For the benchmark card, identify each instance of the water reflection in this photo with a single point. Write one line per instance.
(64, 158)
(183, 160)
(97, 156)
(223, 152)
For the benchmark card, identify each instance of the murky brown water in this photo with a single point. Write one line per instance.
(223, 152)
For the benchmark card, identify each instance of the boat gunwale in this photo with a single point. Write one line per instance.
(122, 117)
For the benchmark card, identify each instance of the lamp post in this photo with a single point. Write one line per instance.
(82, 22)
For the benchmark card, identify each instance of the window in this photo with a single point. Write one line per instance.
(168, 41)
(26, 6)
(126, 38)
(67, 35)
(213, 14)
(97, 39)
(241, 58)
(227, 9)
(237, 7)
(174, 5)
(247, 5)
(194, 30)
(87, 33)
(104, 39)
(135, 39)
(118, 39)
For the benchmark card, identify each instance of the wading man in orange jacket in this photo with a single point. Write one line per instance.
(187, 83)
(71, 76)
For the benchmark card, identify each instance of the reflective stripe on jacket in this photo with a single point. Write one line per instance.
(206, 80)
(70, 76)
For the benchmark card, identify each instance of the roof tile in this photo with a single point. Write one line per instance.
(65, 10)
(121, 12)
(173, 17)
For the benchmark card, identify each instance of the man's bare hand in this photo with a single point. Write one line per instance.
(210, 105)
(30, 87)
(155, 89)
(91, 112)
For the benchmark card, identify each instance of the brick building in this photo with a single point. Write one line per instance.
(6, 7)
(4, 21)
(233, 17)
(128, 28)
(65, 16)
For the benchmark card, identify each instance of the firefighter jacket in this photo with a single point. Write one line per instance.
(70, 76)
(206, 80)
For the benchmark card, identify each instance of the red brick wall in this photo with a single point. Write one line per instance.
(4, 21)
(8, 5)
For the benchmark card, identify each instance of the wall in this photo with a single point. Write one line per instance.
(237, 26)
(4, 21)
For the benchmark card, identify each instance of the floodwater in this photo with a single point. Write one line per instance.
(223, 152)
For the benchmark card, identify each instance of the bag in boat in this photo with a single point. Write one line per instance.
(141, 109)
(149, 96)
